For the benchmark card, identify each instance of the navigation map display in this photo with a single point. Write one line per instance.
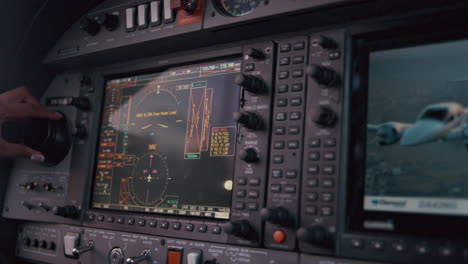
(417, 130)
(167, 141)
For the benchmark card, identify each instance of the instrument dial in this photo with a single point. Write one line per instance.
(236, 8)
(149, 179)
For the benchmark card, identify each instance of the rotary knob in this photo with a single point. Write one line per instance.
(325, 117)
(251, 83)
(323, 75)
(316, 235)
(255, 53)
(327, 43)
(188, 5)
(238, 228)
(90, 26)
(108, 21)
(68, 211)
(249, 120)
(249, 155)
(277, 216)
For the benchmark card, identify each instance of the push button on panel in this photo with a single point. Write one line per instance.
(169, 15)
(279, 236)
(285, 47)
(174, 256)
(142, 16)
(155, 13)
(283, 88)
(130, 19)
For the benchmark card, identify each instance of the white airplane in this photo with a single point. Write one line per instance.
(442, 121)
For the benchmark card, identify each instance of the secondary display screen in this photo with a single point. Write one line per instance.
(417, 130)
(167, 141)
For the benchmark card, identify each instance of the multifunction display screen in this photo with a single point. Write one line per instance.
(417, 130)
(167, 141)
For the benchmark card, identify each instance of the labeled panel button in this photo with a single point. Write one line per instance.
(297, 87)
(155, 13)
(189, 227)
(275, 188)
(283, 75)
(276, 173)
(169, 16)
(311, 210)
(280, 116)
(283, 88)
(142, 16)
(176, 226)
(278, 159)
(293, 130)
(253, 194)
(284, 61)
(285, 47)
(299, 45)
(290, 188)
(313, 169)
(281, 102)
(298, 59)
(291, 174)
(314, 156)
(279, 144)
(174, 257)
(252, 206)
(293, 144)
(202, 228)
(130, 19)
(311, 197)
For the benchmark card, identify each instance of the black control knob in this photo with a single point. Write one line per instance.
(29, 185)
(327, 43)
(44, 206)
(35, 243)
(90, 26)
(27, 242)
(249, 120)
(44, 244)
(325, 117)
(81, 103)
(251, 83)
(277, 216)
(239, 228)
(51, 137)
(249, 155)
(108, 21)
(81, 132)
(316, 235)
(323, 75)
(48, 187)
(68, 211)
(27, 205)
(85, 81)
(52, 245)
(255, 53)
(188, 5)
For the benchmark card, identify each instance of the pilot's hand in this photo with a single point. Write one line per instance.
(16, 105)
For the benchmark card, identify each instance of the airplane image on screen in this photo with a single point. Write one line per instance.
(441, 121)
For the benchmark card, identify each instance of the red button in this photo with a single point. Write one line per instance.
(279, 236)
(174, 257)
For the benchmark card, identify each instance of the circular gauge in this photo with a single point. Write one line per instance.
(156, 111)
(149, 180)
(237, 8)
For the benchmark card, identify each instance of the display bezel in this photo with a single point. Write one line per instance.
(417, 224)
(145, 67)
